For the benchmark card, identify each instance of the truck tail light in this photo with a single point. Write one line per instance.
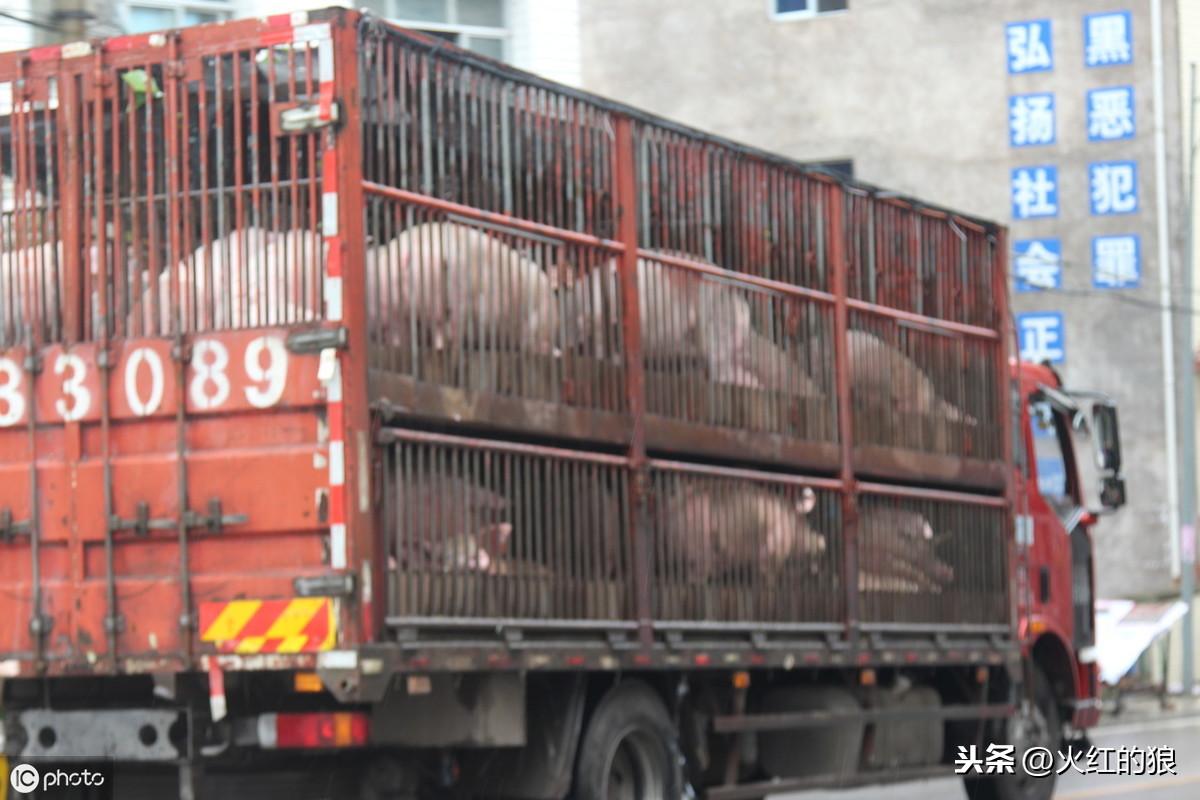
(312, 730)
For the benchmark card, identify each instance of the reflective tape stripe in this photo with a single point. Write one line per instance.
(337, 545)
(333, 298)
(337, 463)
(295, 625)
(329, 213)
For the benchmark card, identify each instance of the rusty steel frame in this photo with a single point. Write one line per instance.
(625, 246)
(75, 134)
(343, 149)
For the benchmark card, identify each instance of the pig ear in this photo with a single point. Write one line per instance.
(927, 531)
(496, 538)
(807, 500)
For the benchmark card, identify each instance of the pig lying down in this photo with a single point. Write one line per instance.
(893, 380)
(450, 525)
(897, 552)
(684, 317)
(708, 528)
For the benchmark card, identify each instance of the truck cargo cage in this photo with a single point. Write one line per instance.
(523, 534)
(734, 294)
(313, 301)
(481, 529)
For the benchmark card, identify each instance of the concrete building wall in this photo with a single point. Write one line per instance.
(1189, 53)
(917, 95)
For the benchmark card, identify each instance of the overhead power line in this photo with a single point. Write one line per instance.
(33, 23)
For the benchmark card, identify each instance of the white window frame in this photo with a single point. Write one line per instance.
(809, 13)
(224, 9)
(503, 33)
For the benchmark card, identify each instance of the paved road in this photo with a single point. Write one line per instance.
(1181, 734)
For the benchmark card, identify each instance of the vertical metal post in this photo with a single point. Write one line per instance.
(1008, 389)
(21, 128)
(1187, 420)
(625, 176)
(97, 87)
(172, 189)
(364, 544)
(70, 190)
(835, 212)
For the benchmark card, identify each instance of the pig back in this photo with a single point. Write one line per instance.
(901, 544)
(248, 279)
(462, 284)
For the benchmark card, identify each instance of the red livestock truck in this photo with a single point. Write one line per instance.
(374, 413)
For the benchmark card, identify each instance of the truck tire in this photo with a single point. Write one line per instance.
(1038, 727)
(388, 778)
(629, 749)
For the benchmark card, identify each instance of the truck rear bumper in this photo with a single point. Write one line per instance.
(119, 735)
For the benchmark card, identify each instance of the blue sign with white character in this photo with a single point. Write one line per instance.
(1052, 476)
(1031, 119)
(1113, 186)
(1108, 39)
(1042, 337)
(1116, 261)
(1037, 264)
(1030, 47)
(1110, 114)
(1034, 192)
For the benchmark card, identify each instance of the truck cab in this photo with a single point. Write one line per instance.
(1068, 465)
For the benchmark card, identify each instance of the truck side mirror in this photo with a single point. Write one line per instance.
(1107, 438)
(1094, 427)
(1112, 492)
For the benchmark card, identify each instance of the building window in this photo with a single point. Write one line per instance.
(842, 168)
(478, 25)
(803, 9)
(156, 15)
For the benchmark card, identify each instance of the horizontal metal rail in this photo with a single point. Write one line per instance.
(738, 472)
(791, 720)
(907, 627)
(742, 627)
(739, 277)
(561, 234)
(934, 323)
(494, 623)
(389, 435)
(492, 217)
(922, 493)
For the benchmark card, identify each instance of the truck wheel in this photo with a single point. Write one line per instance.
(1037, 725)
(630, 749)
(388, 778)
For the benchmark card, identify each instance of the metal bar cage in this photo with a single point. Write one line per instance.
(492, 218)
(186, 206)
(518, 237)
(486, 529)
